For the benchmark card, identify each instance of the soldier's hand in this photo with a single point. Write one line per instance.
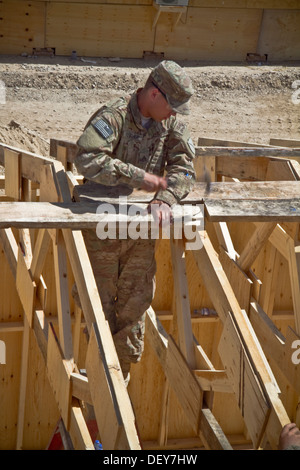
(290, 435)
(153, 183)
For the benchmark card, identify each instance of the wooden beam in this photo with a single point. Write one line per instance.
(255, 245)
(247, 152)
(225, 304)
(183, 382)
(182, 303)
(26, 287)
(102, 344)
(12, 162)
(78, 216)
(252, 210)
(251, 399)
(59, 371)
(115, 418)
(62, 295)
(25, 240)
(277, 348)
(214, 380)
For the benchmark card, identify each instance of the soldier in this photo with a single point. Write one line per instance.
(136, 142)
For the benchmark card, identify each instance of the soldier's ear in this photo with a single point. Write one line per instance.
(154, 92)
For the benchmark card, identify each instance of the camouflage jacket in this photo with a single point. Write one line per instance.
(115, 149)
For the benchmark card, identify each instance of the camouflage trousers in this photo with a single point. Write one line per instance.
(124, 271)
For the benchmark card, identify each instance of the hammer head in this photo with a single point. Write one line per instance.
(207, 180)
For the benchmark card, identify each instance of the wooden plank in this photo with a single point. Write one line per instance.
(25, 240)
(251, 399)
(224, 301)
(31, 163)
(78, 429)
(240, 282)
(100, 30)
(247, 152)
(208, 34)
(182, 303)
(277, 347)
(254, 190)
(93, 313)
(207, 141)
(224, 239)
(213, 380)
(25, 286)
(260, 190)
(183, 383)
(247, 168)
(211, 432)
(10, 248)
(115, 419)
(253, 210)
(40, 251)
(23, 26)
(62, 156)
(270, 285)
(84, 215)
(49, 189)
(12, 163)
(280, 171)
(294, 268)
(255, 245)
(285, 142)
(62, 295)
(23, 384)
(59, 371)
(71, 148)
(80, 387)
(284, 26)
(79, 432)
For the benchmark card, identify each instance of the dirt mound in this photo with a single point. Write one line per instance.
(55, 77)
(21, 137)
(56, 97)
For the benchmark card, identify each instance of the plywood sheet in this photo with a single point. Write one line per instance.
(280, 37)
(22, 26)
(99, 30)
(209, 34)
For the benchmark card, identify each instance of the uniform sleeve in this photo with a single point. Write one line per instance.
(179, 166)
(95, 159)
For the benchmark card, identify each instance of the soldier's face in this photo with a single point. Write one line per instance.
(160, 109)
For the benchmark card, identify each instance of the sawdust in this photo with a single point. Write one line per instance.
(54, 97)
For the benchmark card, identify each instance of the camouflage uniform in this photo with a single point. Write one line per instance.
(115, 151)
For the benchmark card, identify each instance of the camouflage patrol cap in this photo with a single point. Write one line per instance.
(174, 83)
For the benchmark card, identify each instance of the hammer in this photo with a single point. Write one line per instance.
(207, 180)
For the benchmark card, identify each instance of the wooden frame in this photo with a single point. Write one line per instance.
(249, 359)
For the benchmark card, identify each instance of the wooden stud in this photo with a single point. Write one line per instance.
(225, 303)
(26, 287)
(115, 418)
(62, 295)
(252, 402)
(182, 381)
(59, 372)
(12, 164)
(182, 304)
(254, 245)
